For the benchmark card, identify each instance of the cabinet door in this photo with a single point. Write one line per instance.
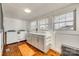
(29, 38)
(21, 36)
(33, 39)
(11, 37)
(41, 43)
(36, 41)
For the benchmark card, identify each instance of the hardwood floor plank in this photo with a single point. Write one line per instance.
(25, 49)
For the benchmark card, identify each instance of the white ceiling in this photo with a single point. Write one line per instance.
(16, 10)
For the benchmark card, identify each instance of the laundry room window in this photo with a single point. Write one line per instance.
(43, 24)
(33, 26)
(64, 21)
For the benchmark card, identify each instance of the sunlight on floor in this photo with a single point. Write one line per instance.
(24, 48)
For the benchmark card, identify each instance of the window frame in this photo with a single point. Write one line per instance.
(45, 24)
(72, 20)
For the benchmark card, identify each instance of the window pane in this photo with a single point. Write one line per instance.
(69, 23)
(71, 28)
(43, 21)
(44, 27)
(33, 23)
(64, 21)
(62, 18)
(62, 25)
(46, 20)
(33, 26)
(57, 19)
(57, 26)
(69, 16)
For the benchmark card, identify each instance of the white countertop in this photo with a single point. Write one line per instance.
(37, 33)
(57, 32)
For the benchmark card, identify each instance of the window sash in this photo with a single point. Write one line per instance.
(64, 21)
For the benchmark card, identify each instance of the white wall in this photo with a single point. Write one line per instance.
(14, 24)
(77, 19)
(59, 12)
(1, 43)
(70, 38)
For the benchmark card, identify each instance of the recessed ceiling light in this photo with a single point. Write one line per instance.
(27, 10)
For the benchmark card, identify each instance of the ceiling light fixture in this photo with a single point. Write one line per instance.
(27, 10)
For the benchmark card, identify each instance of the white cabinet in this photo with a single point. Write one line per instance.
(54, 40)
(41, 44)
(40, 41)
(12, 37)
(22, 35)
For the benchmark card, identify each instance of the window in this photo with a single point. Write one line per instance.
(33, 26)
(64, 22)
(43, 24)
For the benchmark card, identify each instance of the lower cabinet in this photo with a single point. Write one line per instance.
(22, 35)
(41, 44)
(11, 37)
(38, 41)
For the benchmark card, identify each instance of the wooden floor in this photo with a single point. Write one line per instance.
(19, 49)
